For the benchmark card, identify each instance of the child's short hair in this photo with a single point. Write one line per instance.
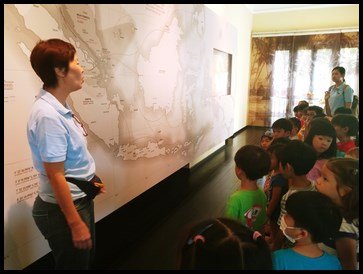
(320, 115)
(282, 140)
(303, 103)
(299, 155)
(318, 110)
(343, 110)
(295, 122)
(346, 173)
(299, 108)
(254, 161)
(296, 109)
(224, 243)
(322, 126)
(320, 216)
(347, 120)
(277, 149)
(305, 110)
(282, 123)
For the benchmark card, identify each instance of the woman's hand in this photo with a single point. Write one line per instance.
(81, 236)
(80, 233)
(102, 188)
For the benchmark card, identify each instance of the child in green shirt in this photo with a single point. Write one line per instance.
(248, 203)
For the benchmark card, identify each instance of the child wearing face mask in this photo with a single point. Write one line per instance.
(296, 159)
(340, 182)
(322, 138)
(306, 224)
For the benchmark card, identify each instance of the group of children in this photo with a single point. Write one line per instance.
(297, 206)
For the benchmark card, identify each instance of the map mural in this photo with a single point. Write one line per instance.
(147, 100)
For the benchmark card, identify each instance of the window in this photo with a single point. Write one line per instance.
(289, 69)
(321, 75)
(280, 83)
(281, 72)
(222, 73)
(302, 73)
(348, 59)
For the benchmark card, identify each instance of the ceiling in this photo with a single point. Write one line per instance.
(262, 8)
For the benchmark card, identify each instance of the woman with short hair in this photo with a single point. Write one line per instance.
(63, 211)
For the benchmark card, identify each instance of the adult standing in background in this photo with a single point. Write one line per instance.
(63, 212)
(338, 95)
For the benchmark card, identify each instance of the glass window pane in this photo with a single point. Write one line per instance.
(321, 75)
(280, 76)
(348, 60)
(302, 73)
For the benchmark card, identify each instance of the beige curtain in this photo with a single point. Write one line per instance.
(287, 69)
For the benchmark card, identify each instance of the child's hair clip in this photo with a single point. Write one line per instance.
(198, 237)
(255, 235)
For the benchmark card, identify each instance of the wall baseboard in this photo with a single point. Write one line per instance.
(247, 127)
(191, 167)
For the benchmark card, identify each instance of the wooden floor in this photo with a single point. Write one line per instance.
(144, 233)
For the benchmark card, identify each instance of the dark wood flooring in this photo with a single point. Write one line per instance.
(144, 233)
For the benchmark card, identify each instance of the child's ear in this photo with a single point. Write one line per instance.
(304, 233)
(238, 172)
(281, 168)
(289, 168)
(344, 190)
(345, 129)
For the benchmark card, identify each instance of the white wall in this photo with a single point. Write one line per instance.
(307, 19)
(241, 18)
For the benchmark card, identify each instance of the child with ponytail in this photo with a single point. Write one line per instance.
(340, 181)
(223, 243)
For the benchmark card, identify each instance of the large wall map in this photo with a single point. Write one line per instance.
(147, 100)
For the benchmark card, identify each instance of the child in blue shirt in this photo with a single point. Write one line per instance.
(311, 217)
